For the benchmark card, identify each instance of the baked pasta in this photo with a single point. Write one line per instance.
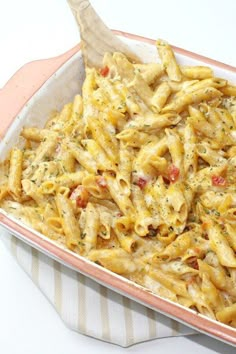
(138, 174)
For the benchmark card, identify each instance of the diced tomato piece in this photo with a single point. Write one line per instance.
(101, 181)
(141, 182)
(218, 181)
(80, 195)
(173, 173)
(104, 71)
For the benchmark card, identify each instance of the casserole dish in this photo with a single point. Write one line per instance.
(27, 99)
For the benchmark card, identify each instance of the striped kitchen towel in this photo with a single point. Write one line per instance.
(88, 307)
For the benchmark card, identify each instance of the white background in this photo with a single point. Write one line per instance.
(30, 30)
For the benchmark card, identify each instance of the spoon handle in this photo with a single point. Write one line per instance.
(97, 38)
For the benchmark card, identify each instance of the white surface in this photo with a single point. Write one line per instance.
(38, 29)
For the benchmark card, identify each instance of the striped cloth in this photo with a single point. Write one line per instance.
(88, 307)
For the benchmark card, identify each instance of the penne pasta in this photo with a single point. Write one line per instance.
(138, 175)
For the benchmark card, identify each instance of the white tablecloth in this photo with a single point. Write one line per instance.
(39, 29)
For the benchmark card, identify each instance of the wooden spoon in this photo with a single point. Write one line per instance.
(96, 37)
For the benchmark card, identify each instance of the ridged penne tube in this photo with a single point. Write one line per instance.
(89, 84)
(143, 218)
(109, 204)
(90, 232)
(134, 138)
(168, 60)
(160, 96)
(149, 72)
(176, 267)
(142, 89)
(217, 276)
(229, 90)
(77, 108)
(226, 119)
(213, 117)
(196, 72)
(68, 220)
(55, 223)
(158, 288)
(123, 175)
(104, 138)
(35, 134)
(213, 82)
(66, 160)
(180, 103)
(122, 200)
(117, 119)
(99, 155)
(176, 200)
(153, 122)
(209, 155)
(220, 245)
(117, 260)
(76, 114)
(200, 301)
(227, 315)
(123, 224)
(175, 147)
(170, 282)
(15, 173)
(43, 153)
(199, 122)
(84, 158)
(133, 104)
(96, 186)
(211, 293)
(180, 86)
(31, 190)
(105, 222)
(71, 180)
(128, 243)
(115, 97)
(46, 171)
(47, 230)
(149, 160)
(63, 118)
(190, 156)
(175, 249)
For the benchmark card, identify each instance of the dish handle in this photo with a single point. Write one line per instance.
(24, 83)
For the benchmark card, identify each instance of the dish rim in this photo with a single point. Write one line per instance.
(34, 75)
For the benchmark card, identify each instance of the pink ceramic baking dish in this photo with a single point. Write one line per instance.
(27, 99)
